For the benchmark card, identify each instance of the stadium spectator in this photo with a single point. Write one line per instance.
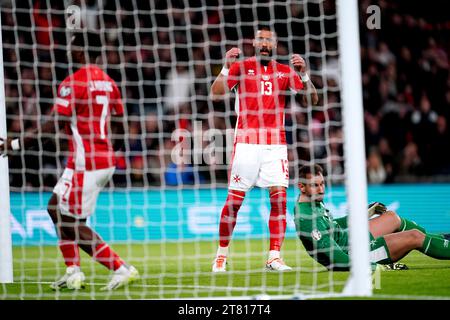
(178, 88)
(376, 173)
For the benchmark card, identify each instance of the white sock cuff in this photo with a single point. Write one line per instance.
(122, 269)
(273, 254)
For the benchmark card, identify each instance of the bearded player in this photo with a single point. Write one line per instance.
(83, 108)
(260, 151)
(326, 239)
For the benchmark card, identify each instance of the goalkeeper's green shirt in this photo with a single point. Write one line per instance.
(325, 239)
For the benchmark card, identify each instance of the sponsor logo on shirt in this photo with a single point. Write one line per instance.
(265, 77)
(251, 72)
(281, 75)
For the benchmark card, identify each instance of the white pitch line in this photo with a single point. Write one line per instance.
(174, 286)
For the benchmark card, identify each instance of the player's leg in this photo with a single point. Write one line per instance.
(74, 206)
(66, 243)
(227, 223)
(277, 228)
(78, 232)
(399, 244)
(406, 225)
(244, 169)
(91, 242)
(74, 277)
(274, 175)
(390, 222)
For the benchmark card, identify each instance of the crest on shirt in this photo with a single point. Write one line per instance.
(236, 178)
(251, 72)
(64, 91)
(265, 77)
(281, 75)
(316, 235)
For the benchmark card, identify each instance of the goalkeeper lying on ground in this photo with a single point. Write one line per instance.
(326, 239)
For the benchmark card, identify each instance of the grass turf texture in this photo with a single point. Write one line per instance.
(182, 270)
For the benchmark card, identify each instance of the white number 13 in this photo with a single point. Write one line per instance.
(266, 88)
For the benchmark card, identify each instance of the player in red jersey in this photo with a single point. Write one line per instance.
(86, 101)
(260, 151)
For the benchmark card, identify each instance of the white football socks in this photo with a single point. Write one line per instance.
(222, 251)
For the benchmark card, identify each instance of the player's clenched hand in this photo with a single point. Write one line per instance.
(298, 62)
(376, 208)
(231, 56)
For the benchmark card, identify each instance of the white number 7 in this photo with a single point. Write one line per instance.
(103, 100)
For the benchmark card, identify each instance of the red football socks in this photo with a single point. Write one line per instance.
(277, 220)
(70, 252)
(107, 257)
(229, 216)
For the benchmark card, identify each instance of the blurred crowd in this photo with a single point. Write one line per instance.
(164, 58)
(406, 84)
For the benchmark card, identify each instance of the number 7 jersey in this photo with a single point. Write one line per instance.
(89, 97)
(260, 101)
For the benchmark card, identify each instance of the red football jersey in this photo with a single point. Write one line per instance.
(260, 101)
(89, 96)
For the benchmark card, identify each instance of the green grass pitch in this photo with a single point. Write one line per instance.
(182, 270)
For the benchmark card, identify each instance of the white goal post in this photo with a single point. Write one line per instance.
(359, 282)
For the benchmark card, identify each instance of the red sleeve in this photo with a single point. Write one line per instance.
(63, 103)
(295, 83)
(233, 75)
(117, 105)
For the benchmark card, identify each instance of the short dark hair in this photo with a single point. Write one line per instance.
(309, 169)
(90, 40)
(265, 28)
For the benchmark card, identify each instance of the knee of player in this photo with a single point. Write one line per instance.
(395, 218)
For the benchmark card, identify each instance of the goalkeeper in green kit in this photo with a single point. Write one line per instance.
(326, 239)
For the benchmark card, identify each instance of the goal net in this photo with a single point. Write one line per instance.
(158, 213)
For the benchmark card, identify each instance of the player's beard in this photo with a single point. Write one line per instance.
(317, 197)
(265, 59)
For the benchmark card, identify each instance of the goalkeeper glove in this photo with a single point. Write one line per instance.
(376, 208)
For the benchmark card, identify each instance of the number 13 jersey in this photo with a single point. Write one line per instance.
(260, 101)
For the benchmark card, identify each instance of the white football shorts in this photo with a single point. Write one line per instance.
(77, 191)
(258, 165)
